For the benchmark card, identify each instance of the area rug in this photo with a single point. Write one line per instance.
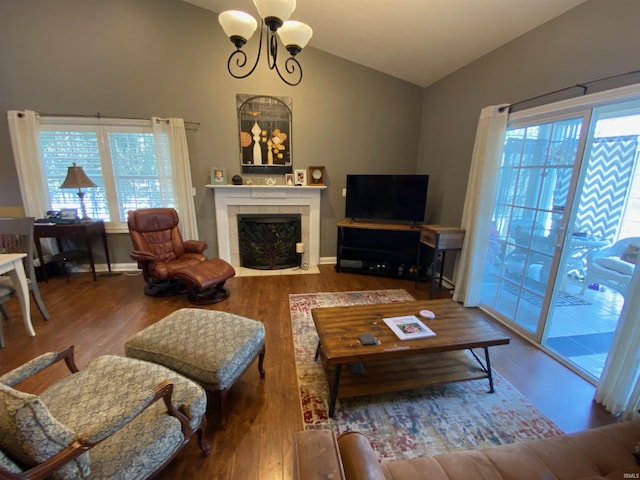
(415, 423)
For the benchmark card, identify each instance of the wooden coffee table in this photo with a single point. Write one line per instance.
(394, 364)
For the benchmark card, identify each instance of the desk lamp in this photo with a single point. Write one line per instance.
(76, 178)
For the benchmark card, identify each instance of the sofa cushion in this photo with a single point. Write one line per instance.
(31, 435)
(7, 464)
(616, 264)
(93, 403)
(208, 346)
(138, 449)
(631, 253)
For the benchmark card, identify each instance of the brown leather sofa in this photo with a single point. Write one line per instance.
(600, 453)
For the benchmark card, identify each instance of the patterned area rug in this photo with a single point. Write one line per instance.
(416, 423)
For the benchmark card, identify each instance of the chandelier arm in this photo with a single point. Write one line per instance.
(241, 59)
(292, 66)
(272, 57)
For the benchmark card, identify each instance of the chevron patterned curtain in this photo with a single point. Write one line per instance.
(606, 185)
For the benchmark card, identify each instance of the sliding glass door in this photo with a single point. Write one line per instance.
(604, 221)
(539, 166)
(567, 207)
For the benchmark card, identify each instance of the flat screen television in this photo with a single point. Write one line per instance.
(387, 197)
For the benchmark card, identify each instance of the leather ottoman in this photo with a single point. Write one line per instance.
(205, 280)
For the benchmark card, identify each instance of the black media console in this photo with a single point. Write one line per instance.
(389, 250)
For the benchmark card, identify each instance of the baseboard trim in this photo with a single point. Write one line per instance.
(102, 267)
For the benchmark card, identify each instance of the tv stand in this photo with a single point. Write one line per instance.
(386, 249)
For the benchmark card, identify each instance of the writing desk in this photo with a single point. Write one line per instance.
(83, 230)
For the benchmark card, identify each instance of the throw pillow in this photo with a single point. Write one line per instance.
(30, 434)
(631, 253)
(615, 264)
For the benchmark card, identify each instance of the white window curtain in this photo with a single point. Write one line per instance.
(619, 387)
(479, 203)
(173, 130)
(24, 131)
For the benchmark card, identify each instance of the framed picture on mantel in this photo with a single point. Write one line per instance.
(218, 176)
(300, 177)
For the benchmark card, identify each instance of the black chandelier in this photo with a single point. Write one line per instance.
(240, 26)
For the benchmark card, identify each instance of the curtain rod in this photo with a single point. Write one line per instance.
(583, 86)
(193, 125)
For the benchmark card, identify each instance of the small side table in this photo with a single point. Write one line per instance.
(442, 239)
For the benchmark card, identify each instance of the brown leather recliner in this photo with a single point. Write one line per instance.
(170, 265)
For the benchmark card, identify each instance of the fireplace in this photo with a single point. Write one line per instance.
(268, 242)
(234, 200)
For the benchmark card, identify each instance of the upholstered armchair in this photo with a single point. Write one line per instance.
(116, 418)
(170, 265)
(610, 267)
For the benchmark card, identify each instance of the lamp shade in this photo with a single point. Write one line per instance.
(293, 33)
(76, 178)
(237, 24)
(281, 9)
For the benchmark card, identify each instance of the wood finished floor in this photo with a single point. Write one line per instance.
(97, 317)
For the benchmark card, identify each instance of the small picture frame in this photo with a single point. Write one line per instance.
(69, 213)
(288, 180)
(218, 176)
(300, 177)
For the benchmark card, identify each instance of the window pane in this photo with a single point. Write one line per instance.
(130, 165)
(60, 150)
(533, 188)
(140, 176)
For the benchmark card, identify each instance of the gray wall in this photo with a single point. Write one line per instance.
(595, 40)
(138, 58)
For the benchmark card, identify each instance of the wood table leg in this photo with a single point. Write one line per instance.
(19, 280)
(90, 253)
(333, 395)
(106, 248)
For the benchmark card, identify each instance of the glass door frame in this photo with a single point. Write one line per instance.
(572, 108)
(560, 252)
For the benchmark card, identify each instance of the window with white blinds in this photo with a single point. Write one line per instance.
(128, 163)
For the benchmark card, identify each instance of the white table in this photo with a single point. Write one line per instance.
(11, 263)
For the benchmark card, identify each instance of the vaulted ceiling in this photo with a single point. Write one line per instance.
(420, 41)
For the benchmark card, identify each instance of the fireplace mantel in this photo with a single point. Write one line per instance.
(233, 199)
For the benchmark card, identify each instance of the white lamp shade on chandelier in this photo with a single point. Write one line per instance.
(281, 9)
(237, 23)
(294, 33)
(240, 26)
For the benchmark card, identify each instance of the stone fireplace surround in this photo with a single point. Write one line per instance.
(231, 200)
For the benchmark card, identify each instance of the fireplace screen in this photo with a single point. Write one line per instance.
(268, 242)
